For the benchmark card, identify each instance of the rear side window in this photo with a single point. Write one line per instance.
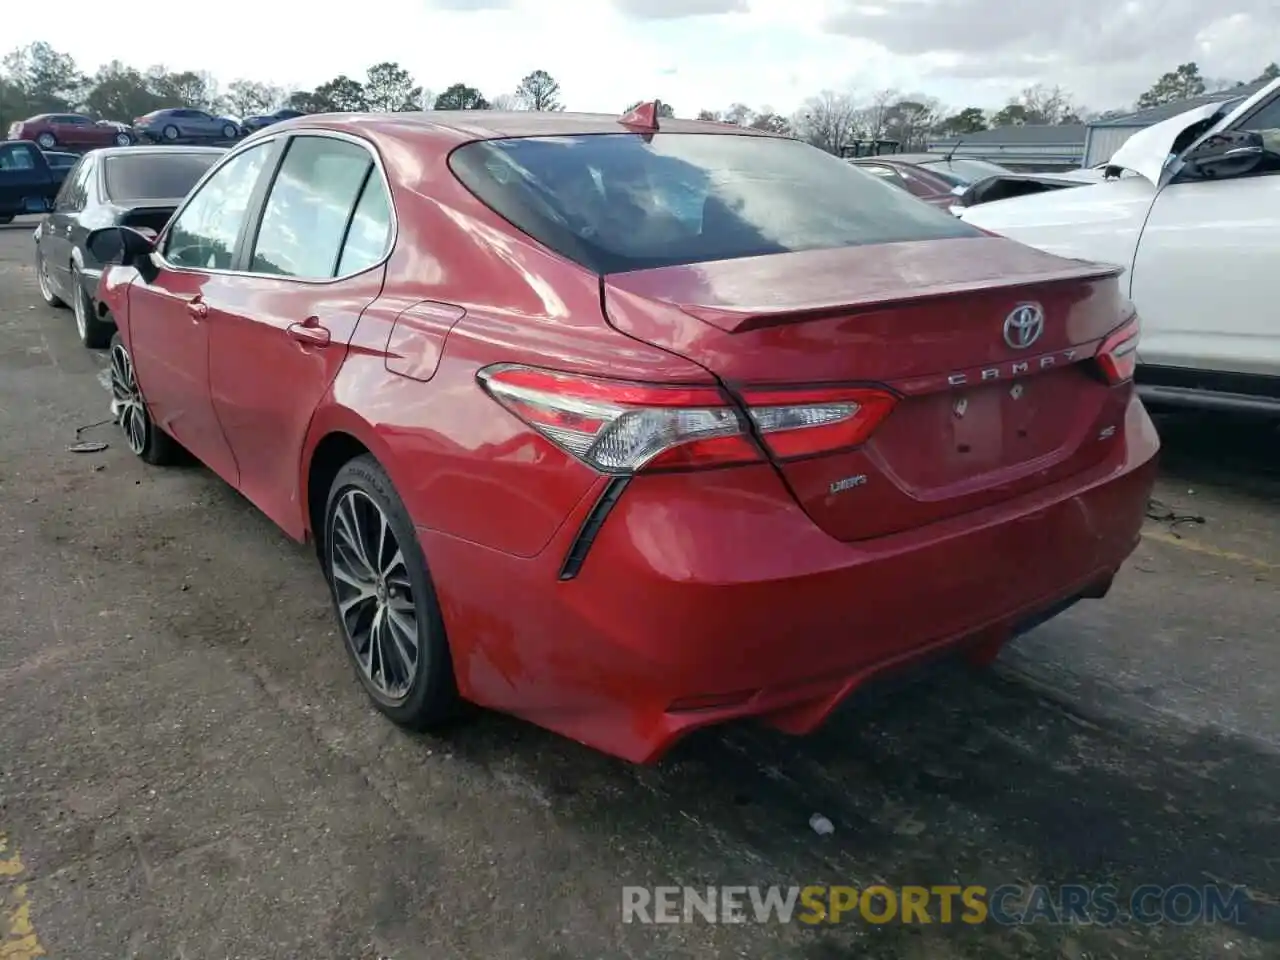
(17, 156)
(620, 202)
(370, 232)
(309, 208)
(154, 176)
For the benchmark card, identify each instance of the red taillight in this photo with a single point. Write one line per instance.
(801, 423)
(1118, 355)
(622, 427)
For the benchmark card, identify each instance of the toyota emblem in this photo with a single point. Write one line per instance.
(1023, 325)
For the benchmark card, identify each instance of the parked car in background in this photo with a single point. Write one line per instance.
(137, 187)
(958, 171)
(185, 125)
(60, 162)
(69, 131)
(568, 453)
(28, 183)
(916, 180)
(1196, 224)
(257, 122)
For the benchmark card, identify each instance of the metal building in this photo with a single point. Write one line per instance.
(1026, 147)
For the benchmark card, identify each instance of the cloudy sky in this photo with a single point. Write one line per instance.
(691, 53)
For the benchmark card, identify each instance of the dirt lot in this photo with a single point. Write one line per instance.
(189, 769)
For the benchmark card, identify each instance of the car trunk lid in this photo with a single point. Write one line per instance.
(979, 417)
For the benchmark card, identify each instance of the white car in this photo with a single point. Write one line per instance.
(1196, 224)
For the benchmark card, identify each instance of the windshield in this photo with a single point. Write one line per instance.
(620, 202)
(154, 176)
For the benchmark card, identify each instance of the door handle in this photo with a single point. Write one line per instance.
(310, 331)
(197, 308)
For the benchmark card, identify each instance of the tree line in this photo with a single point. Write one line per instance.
(38, 79)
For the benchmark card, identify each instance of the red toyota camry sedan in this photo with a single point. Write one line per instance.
(629, 429)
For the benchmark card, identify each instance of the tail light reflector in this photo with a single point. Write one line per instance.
(1118, 355)
(620, 426)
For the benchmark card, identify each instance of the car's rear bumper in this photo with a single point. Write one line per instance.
(706, 597)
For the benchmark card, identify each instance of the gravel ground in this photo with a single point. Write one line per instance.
(189, 769)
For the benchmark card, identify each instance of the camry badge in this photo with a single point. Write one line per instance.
(1023, 325)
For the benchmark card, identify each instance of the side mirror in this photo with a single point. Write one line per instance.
(125, 246)
(1228, 154)
(959, 189)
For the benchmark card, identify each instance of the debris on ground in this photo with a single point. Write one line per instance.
(1161, 512)
(821, 825)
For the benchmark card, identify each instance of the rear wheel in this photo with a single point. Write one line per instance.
(95, 333)
(6, 218)
(123, 139)
(47, 141)
(384, 598)
(46, 282)
(170, 132)
(144, 438)
(229, 132)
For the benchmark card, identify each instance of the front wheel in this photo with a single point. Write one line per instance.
(129, 408)
(123, 139)
(95, 333)
(384, 598)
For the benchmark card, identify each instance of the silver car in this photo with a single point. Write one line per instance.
(185, 125)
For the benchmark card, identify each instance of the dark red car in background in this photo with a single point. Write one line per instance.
(71, 131)
(629, 430)
(917, 181)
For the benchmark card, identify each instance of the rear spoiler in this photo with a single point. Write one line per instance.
(741, 295)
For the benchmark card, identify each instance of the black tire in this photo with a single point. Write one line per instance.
(170, 133)
(6, 218)
(431, 696)
(150, 443)
(95, 333)
(229, 132)
(123, 139)
(45, 281)
(46, 141)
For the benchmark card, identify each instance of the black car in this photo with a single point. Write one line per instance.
(253, 123)
(138, 187)
(28, 183)
(61, 162)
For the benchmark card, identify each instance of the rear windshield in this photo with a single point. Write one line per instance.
(155, 176)
(963, 171)
(620, 202)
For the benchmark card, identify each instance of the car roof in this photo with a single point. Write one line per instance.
(460, 126)
(158, 151)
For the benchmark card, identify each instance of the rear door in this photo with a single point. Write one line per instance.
(279, 332)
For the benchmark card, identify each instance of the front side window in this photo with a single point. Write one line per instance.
(309, 208)
(1265, 121)
(620, 202)
(204, 234)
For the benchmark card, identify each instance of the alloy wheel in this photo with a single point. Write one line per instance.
(126, 400)
(374, 594)
(42, 278)
(81, 308)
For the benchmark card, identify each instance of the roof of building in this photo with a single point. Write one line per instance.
(1025, 135)
(1145, 118)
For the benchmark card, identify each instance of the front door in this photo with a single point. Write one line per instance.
(278, 336)
(170, 317)
(1202, 275)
